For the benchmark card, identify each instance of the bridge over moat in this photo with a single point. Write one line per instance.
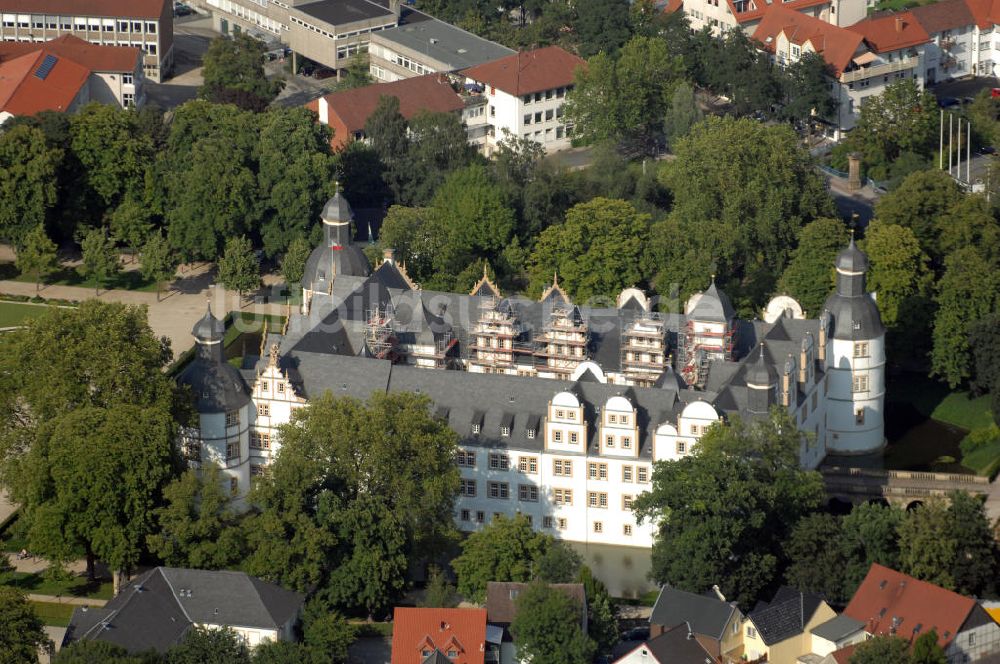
(901, 487)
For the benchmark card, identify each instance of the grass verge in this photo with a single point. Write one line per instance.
(77, 586)
(53, 613)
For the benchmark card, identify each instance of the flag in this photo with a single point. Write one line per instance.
(336, 246)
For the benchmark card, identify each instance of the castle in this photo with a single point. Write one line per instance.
(561, 409)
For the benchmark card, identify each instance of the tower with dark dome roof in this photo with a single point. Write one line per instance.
(223, 403)
(855, 360)
(338, 255)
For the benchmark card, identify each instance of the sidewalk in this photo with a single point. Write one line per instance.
(75, 601)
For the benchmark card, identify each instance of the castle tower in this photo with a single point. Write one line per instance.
(338, 255)
(761, 380)
(855, 360)
(223, 404)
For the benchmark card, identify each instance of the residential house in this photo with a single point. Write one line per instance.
(66, 73)
(425, 45)
(436, 636)
(526, 94)
(713, 622)
(143, 24)
(836, 634)
(953, 47)
(347, 111)
(158, 608)
(724, 15)
(677, 645)
(896, 43)
(780, 630)
(890, 602)
(501, 609)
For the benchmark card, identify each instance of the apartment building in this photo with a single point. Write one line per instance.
(66, 73)
(143, 24)
(723, 15)
(526, 94)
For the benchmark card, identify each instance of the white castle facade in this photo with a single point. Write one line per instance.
(561, 410)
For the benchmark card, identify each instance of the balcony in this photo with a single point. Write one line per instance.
(878, 70)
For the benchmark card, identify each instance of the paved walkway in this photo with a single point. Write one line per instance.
(75, 601)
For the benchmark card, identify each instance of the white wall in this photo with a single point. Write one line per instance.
(846, 435)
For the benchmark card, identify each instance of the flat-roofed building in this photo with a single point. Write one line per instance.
(425, 45)
(143, 24)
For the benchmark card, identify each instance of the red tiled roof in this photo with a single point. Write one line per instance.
(528, 71)
(23, 93)
(943, 15)
(986, 12)
(92, 56)
(887, 595)
(672, 6)
(843, 656)
(836, 45)
(417, 630)
(423, 93)
(891, 32)
(109, 8)
(762, 7)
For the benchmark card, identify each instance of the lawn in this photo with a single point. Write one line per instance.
(15, 313)
(899, 5)
(934, 400)
(72, 276)
(77, 586)
(53, 613)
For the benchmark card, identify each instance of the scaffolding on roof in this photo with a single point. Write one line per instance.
(643, 348)
(379, 338)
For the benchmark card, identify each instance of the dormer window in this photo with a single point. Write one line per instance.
(530, 434)
(504, 431)
(613, 419)
(263, 386)
(475, 429)
(560, 414)
(624, 419)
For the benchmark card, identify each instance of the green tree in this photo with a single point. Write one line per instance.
(600, 249)
(882, 650)
(37, 256)
(700, 506)
(21, 632)
(601, 25)
(439, 593)
(870, 535)
(917, 204)
(970, 222)
(239, 269)
(967, 293)
(984, 339)
(974, 570)
(28, 183)
(131, 223)
(558, 564)
(438, 145)
(100, 258)
(233, 72)
(505, 550)
(547, 627)
(159, 262)
(807, 89)
(742, 190)
(927, 651)
(601, 623)
(97, 652)
(282, 652)
(386, 128)
(357, 74)
(817, 563)
(683, 113)
(409, 232)
(196, 525)
(809, 275)
(293, 263)
(737, 68)
(904, 118)
(205, 644)
(92, 479)
(357, 489)
(926, 549)
(114, 154)
(326, 633)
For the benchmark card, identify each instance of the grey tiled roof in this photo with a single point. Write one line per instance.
(705, 615)
(785, 616)
(837, 628)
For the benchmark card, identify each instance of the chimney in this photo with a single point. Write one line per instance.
(394, 8)
(804, 362)
(899, 24)
(323, 110)
(388, 255)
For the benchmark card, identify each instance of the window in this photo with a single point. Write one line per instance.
(122, 26)
(538, 117)
(465, 515)
(505, 431)
(592, 471)
(256, 470)
(527, 493)
(560, 414)
(860, 383)
(281, 387)
(795, 51)
(466, 459)
(560, 92)
(623, 419)
(233, 449)
(547, 522)
(548, 94)
(150, 27)
(626, 502)
(480, 517)
(530, 433)
(643, 473)
(538, 96)
(233, 418)
(972, 638)
(527, 118)
(571, 415)
(562, 496)
(562, 468)
(627, 442)
(499, 462)
(859, 416)
(598, 527)
(861, 349)
(260, 440)
(613, 419)
(263, 383)
(499, 490)
(264, 409)
(528, 464)
(234, 486)
(609, 441)
(574, 437)
(561, 523)
(597, 499)
(475, 429)
(681, 447)
(751, 632)
(136, 26)
(557, 436)
(467, 488)
(626, 473)
(602, 471)
(128, 99)
(526, 99)
(627, 530)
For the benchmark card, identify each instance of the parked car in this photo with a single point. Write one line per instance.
(987, 149)
(324, 72)
(947, 102)
(636, 634)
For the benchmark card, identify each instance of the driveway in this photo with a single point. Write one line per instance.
(370, 650)
(191, 37)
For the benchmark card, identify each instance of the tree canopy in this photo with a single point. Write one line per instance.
(507, 549)
(21, 632)
(809, 277)
(28, 191)
(548, 627)
(233, 72)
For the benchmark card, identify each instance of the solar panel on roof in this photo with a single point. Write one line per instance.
(47, 64)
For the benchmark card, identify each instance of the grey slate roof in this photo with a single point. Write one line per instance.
(208, 327)
(675, 647)
(155, 611)
(852, 259)
(445, 43)
(501, 608)
(713, 306)
(785, 616)
(837, 628)
(339, 12)
(436, 657)
(337, 208)
(217, 386)
(705, 615)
